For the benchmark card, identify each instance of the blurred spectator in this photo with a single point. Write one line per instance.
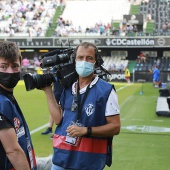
(41, 8)
(112, 68)
(54, 3)
(135, 29)
(36, 61)
(39, 70)
(127, 75)
(121, 68)
(25, 64)
(50, 22)
(134, 2)
(147, 56)
(11, 32)
(148, 17)
(39, 31)
(141, 57)
(158, 61)
(124, 23)
(79, 29)
(102, 29)
(145, 1)
(30, 31)
(164, 27)
(113, 31)
(61, 5)
(108, 26)
(129, 29)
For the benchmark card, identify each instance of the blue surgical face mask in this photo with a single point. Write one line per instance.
(84, 68)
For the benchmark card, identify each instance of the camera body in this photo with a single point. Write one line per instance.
(64, 63)
(57, 57)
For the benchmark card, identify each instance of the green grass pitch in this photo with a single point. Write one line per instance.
(143, 143)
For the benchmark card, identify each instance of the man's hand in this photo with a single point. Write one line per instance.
(76, 131)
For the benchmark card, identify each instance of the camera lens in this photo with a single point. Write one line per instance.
(38, 81)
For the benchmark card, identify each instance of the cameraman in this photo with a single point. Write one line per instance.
(87, 119)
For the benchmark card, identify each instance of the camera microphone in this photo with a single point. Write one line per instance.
(57, 51)
(55, 60)
(49, 61)
(51, 53)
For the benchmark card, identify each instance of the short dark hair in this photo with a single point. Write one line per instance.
(10, 51)
(86, 45)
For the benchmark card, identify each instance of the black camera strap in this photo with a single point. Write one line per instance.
(80, 104)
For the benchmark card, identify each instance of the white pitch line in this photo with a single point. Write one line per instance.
(137, 119)
(158, 120)
(125, 101)
(39, 128)
(123, 87)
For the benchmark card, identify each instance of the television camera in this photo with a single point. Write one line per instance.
(63, 61)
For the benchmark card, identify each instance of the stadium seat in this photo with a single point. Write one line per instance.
(103, 12)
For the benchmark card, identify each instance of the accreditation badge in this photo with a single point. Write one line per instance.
(75, 141)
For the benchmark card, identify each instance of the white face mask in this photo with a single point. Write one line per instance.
(84, 68)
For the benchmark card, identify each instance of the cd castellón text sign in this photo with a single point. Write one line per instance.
(103, 42)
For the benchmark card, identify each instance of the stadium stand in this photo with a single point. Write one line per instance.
(156, 17)
(34, 18)
(163, 65)
(89, 13)
(25, 19)
(115, 63)
(158, 12)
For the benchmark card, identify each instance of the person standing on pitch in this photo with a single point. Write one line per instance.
(16, 149)
(127, 75)
(87, 117)
(156, 76)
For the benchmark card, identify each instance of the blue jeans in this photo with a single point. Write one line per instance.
(56, 167)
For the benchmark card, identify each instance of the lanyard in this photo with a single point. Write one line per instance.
(80, 104)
